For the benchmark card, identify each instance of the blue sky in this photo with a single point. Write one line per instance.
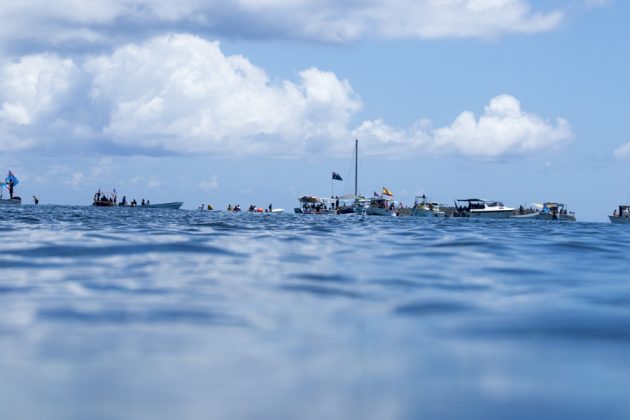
(254, 102)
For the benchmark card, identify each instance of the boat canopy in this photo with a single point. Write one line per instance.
(471, 199)
(309, 199)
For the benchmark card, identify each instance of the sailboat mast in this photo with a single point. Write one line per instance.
(356, 164)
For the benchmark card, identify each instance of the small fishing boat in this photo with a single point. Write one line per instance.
(482, 209)
(16, 201)
(9, 183)
(172, 205)
(424, 208)
(104, 199)
(545, 211)
(621, 217)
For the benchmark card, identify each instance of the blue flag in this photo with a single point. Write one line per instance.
(336, 176)
(10, 177)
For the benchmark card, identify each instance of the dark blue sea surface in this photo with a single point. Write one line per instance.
(160, 314)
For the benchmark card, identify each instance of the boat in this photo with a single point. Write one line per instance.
(104, 199)
(621, 217)
(345, 204)
(312, 204)
(424, 208)
(9, 183)
(545, 211)
(482, 209)
(380, 206)
(175, 205)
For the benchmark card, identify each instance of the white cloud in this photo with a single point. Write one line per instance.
(179, 93)
(504, 129)
(63, 22)
(622, 152)
(34, 86)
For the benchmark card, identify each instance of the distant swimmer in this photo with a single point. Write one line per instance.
(229, 207)
(35, 200)
(210, 208)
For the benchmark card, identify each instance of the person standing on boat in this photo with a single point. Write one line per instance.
(270, 208)
(35, 200)
(11, 185)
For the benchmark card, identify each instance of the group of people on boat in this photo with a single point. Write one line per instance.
(252, 208)
(10, 182)
(623, 212)
(104, 198)
(111, 199)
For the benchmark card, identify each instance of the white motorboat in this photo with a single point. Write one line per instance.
(483, 209)
(379, 206)
(545, 211)
(621, 217)
(425, 208)
(312, 204)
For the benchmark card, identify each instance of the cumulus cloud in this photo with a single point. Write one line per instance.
(34, 86)
(179, 94)
(503, 130)
(64, 22)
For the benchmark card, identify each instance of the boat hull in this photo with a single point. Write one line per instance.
(298, 210)
(545, 216)
(619, 220)
(11, 201)
(491, 214)
(103, 204)
(427, 213)
(377, 211)
(175, 205)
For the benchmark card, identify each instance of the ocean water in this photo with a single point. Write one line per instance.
(158, 314)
